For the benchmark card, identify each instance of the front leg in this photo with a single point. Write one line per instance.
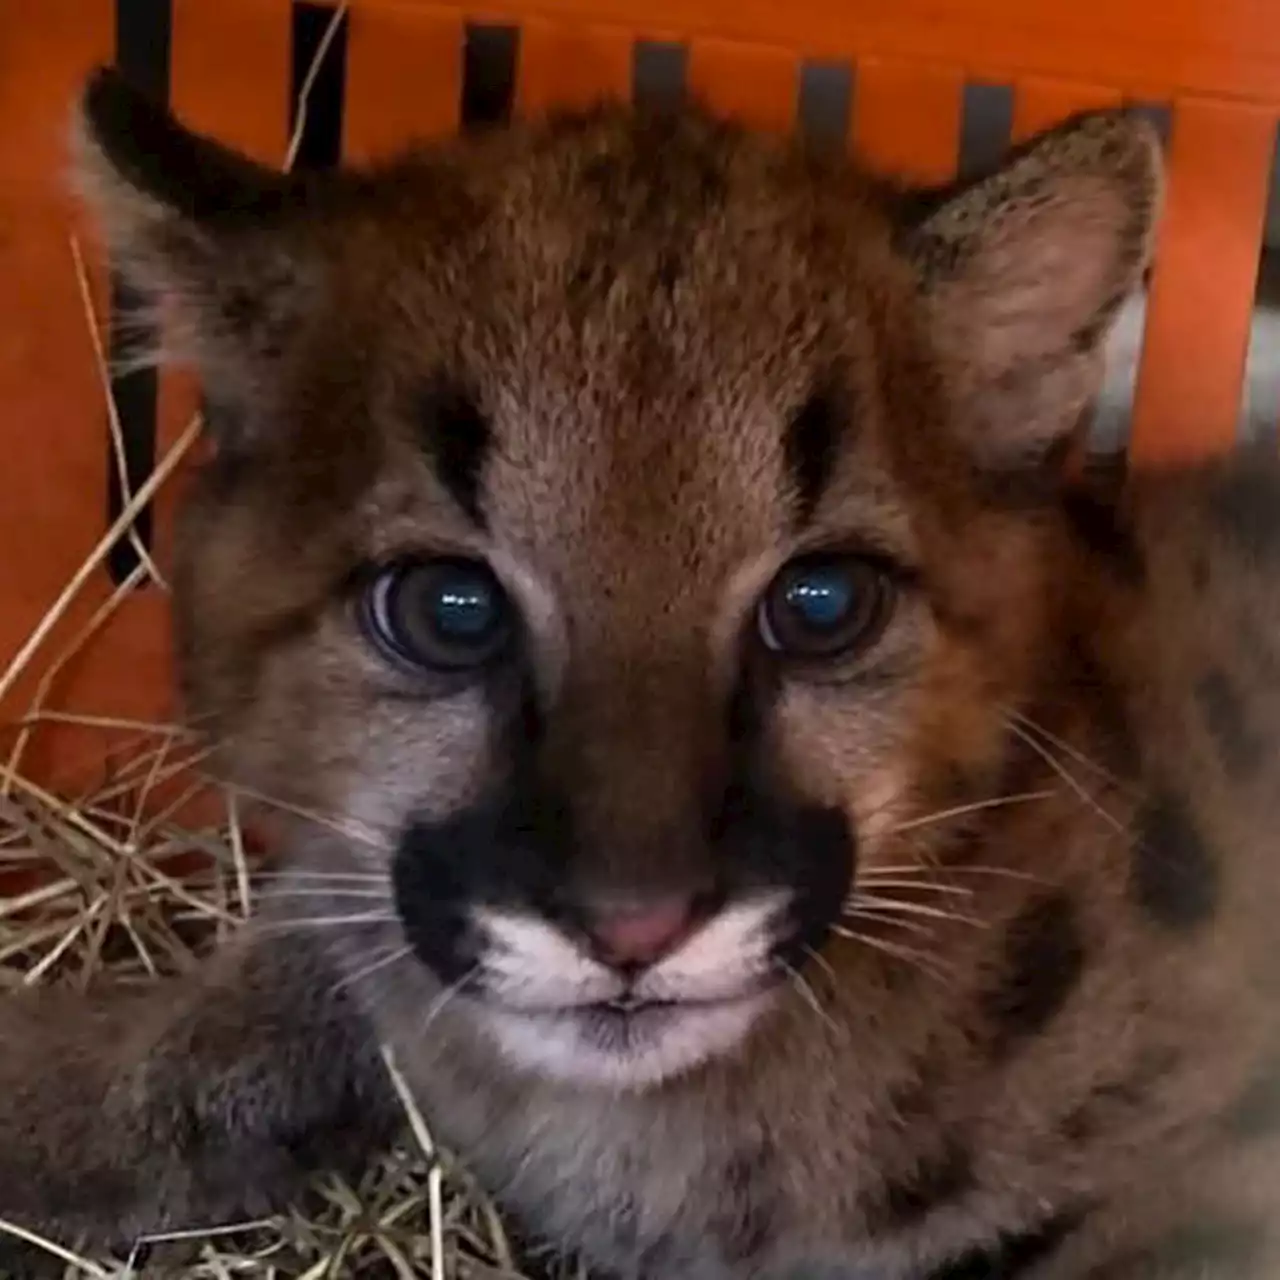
(189, 1104)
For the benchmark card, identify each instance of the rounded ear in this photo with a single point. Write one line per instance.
(210, 238)
(1023, 271)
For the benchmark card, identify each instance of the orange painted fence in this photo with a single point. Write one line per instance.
(395, 69)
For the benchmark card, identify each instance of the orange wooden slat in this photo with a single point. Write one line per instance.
(229, 72)
(906, 118)
(1039, 103)
(246, 44)
(404, 79)
(1201, 300)
(1229, 47)
(53, 443)
(571, 66)
(757, 84)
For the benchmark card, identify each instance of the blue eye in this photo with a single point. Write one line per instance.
(824, 606)
(438, 614)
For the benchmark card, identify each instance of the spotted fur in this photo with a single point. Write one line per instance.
(980, 983)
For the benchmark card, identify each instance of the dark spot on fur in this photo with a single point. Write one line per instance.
(1043, 961)
(1173, 878)
(811, 447)
(1097, 525)
(1226, 718)
(1011, 1255)
(903, 1202)
(457, 438)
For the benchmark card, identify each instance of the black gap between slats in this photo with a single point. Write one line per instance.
(490, 53)
(318, 69)
(659, 74)
(826, 100)
(986, 126)
(142, 37)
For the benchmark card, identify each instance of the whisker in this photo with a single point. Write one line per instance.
(330, 922)
(880, 917)
(329, 821)
(442, 1001)
(902, 882)
(896, 905)
(962, 810)
(1065, 747)
(300, 873)
(807, 993)
(330, 891)
(918, 960)
(924, 869)
(1065, 774)
(383, 961)
(822, 962)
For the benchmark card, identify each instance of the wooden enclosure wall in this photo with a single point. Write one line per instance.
(901, 77)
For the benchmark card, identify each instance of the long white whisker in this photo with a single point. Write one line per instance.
(917, 927)
(919, 960)
(441, 1002)
(310, 815)
(1065, 774)
(383, 961)
(916, 886)
(962, 810)
(924, 869)
(822, 962)
(896, 906)
(353, 877)
(1065, 747)
(330, 922)
(331, 892)
(807, 993)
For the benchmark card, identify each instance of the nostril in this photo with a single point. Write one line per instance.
(641, 935)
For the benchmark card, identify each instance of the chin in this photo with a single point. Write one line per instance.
(623, 1050)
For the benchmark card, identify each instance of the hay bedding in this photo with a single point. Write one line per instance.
(111, 881)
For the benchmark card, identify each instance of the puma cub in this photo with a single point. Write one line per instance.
(782, 825)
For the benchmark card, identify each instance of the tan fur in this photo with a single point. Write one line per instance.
(640, 306)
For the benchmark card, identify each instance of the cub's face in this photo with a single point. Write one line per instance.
(610, 537)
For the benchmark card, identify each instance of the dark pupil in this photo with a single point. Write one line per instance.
(463, 608)
(820, 601)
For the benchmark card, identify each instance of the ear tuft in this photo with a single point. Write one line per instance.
(124, 140)
(1024, 270)
(216, 243)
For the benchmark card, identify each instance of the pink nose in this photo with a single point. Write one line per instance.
(643, 934)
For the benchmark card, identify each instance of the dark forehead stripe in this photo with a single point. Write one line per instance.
(1044, 956)
(1173, 877)
(1012, 1255)
(457, 438)
(811, 447)
(1227, 719)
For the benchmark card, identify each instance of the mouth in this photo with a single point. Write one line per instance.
(626, 1041)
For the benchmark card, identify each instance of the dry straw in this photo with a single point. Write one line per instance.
(99, 883)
